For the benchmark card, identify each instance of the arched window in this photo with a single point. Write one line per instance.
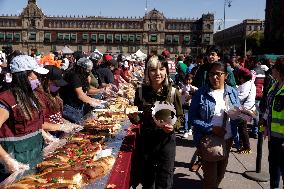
(208, 26)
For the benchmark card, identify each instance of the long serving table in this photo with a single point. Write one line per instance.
(120, 176)
(123, 147)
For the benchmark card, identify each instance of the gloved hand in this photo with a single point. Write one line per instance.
(48, 138)
(110, 90)
(12, 165)
(69, 127)
(114, 88)
(97, 104)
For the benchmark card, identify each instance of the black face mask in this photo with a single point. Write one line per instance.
(54, 94)
(87, 74)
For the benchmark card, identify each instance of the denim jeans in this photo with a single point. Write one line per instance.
(254, 129)
(187, 126)
(237, 144)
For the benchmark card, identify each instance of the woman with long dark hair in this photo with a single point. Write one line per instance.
(51, 103)
(206, 114)
(21, 119)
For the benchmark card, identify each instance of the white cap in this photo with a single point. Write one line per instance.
(24, 62)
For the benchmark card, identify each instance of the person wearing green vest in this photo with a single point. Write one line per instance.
(273, 121)
(21, 134)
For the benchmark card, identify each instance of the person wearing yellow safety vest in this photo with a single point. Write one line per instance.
(274, 124)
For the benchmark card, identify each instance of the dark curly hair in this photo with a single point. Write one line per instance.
(279, 65)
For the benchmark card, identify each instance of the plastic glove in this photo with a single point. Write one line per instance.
(69, 127)
(48, 138)
(12, 165)
(107, 92)
(114, 88)
(97, 104)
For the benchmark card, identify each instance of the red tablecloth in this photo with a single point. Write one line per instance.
(120, 177)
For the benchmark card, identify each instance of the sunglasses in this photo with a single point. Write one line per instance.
(213, 74)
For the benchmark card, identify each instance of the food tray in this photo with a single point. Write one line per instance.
(113, 143)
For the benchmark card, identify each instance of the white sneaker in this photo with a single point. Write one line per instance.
(190, 132)
(185, 135)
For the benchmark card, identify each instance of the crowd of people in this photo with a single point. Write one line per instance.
(208, 98)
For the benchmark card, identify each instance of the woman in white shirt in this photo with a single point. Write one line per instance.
(246, 94)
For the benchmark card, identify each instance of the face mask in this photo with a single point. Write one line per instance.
(34, 83)
(53, 88)
(8, 78)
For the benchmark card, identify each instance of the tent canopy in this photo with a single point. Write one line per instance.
(66, 50)
(140, 55)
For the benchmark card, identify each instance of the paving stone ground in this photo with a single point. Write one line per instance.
(234, 179)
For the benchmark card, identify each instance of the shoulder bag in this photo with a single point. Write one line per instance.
(213, 148)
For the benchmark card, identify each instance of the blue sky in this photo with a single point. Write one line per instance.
(240, 9)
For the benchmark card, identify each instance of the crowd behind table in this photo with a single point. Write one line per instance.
(42, 94)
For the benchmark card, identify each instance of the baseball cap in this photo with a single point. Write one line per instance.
(55, 74)
(95, 55)
(166, 53)
(24, 62)
(107, 57)
(85, 63)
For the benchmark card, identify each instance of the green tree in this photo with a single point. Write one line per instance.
(255, 42)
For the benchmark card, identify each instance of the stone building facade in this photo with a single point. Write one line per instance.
(235, 37)
(34, 30)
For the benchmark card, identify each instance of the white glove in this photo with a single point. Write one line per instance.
(97, 104)
(12, 165)
(69, 127)
(114, 88)
(48, 138)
